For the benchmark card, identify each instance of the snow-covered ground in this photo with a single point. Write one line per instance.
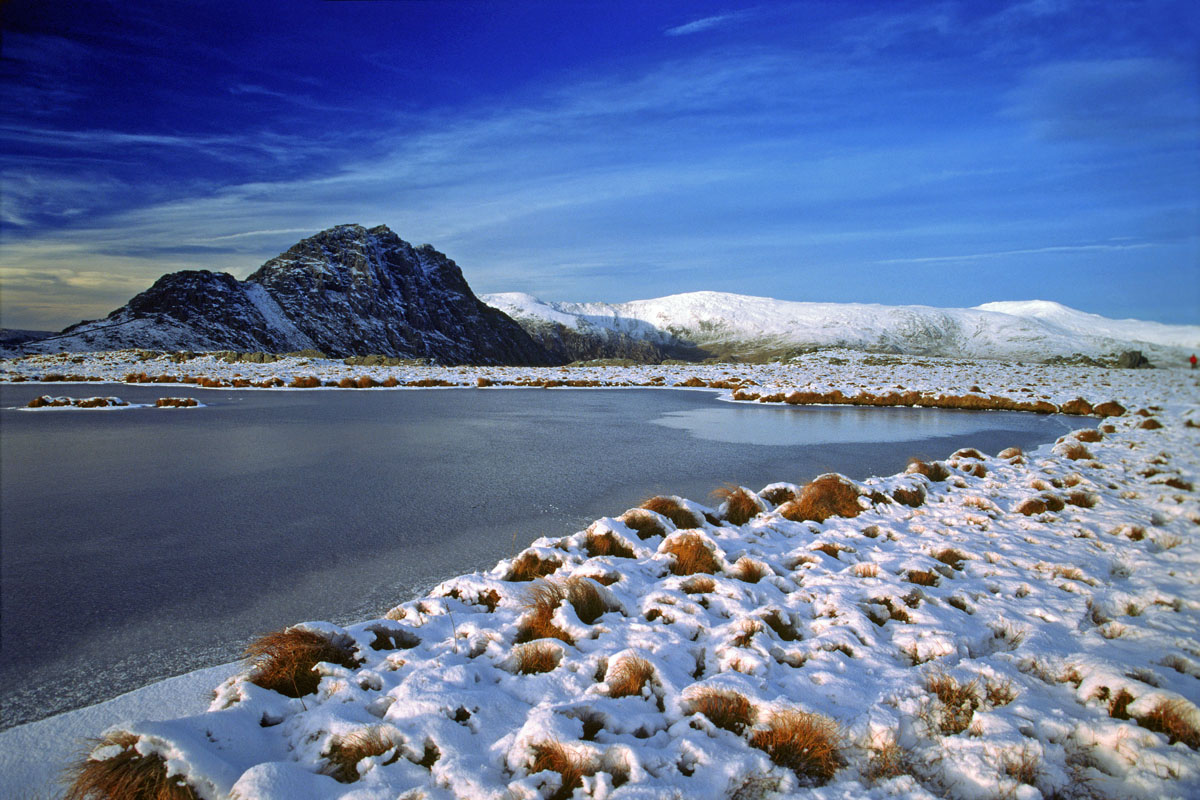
(974, 644)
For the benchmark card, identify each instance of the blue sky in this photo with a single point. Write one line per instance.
(947, 153)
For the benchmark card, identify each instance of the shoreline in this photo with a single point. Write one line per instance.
(813, 569)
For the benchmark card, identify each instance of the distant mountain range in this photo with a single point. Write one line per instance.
(716, 324)
(350, 290)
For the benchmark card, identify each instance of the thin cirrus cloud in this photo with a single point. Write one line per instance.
(706, 23)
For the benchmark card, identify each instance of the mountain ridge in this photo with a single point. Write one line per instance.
(719, 323)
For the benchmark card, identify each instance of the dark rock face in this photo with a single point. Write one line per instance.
(346, 291)
(1133, 359)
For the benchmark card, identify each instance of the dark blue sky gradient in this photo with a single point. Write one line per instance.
(938, 153)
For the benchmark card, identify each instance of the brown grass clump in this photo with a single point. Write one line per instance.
(1053, 502)
(1083, 499)
(740, 505)
(1010, 452)
(1077, 406)
(1090, 435)
(692, 555)
(283, 661)
(607, 544)
(805, 743)
(747, 629)
(346, 751)
(911, 496)
(128, 775)
(698, 584)
(968, 452)
(305, 382)
(922, 577)
(828, 496)
(541, 601)
(1118, 703)
(725, 708)
(777, 495)
(673, 510)
(888, 760)
(536, 657)
(176, 402)
(1109, 409)
(934, 470)
(1150, 424)
(366, 382)
(1171, 718)
(748, 570)
(629, 676)
(781, 625)
(555, 757)
(866, 570)
(1179, 483)
(958, 702)
(530, 566)
(1032, 507)
(1023, 766)
(643, 523)
(951, 557)
(1000, 693)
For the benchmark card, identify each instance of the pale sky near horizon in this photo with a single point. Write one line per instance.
(940, 153)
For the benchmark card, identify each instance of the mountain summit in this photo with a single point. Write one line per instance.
(346, 291)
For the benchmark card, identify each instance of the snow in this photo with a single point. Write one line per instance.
(1045, 619)
(1032, 330)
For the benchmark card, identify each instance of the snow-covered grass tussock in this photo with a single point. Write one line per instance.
(961, 643)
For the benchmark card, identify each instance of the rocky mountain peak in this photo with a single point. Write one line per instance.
(347, 290)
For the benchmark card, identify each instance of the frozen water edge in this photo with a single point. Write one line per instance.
(1059, 605)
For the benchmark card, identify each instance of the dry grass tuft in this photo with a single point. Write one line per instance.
(934, 470)
(1000, 693)
(748, 570)
(346, 751)
(828, 548)
(643, 523)
(951, 557)
(692, 554)
(555, 757)
(536, 657)
(968, 452)
(283, 661)
(127, 775)
(866, 570)
(911, 496)
(1150, 424)
(1023, 766)
(1089, 435)
(741, 505)
(698, 584)
(1109, 409)
(1010, 452)
(1076, 452)
(1083, 499)
(828, 496)
(725, 708)
(629, 676)
(958, 702)
(922, 577)
(607, 544)
(176, 402)
(1171, 718)
(543, 599)
(1032, 507)
(1179, 483)
(530, 566)
(673, 510)
(888, 760)
(777, 495)
(747, 630)
(805, 743)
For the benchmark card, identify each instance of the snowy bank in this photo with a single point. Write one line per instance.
(991, 625)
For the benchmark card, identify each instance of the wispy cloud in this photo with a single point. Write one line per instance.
(706, 23)
(1068, 248)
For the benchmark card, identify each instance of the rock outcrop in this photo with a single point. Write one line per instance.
(346, 291)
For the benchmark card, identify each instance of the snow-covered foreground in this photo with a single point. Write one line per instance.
(1018, 627)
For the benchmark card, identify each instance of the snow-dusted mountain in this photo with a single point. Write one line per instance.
(345, 291)
(720, 324)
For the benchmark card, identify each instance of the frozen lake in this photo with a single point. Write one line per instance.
(145, 543)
